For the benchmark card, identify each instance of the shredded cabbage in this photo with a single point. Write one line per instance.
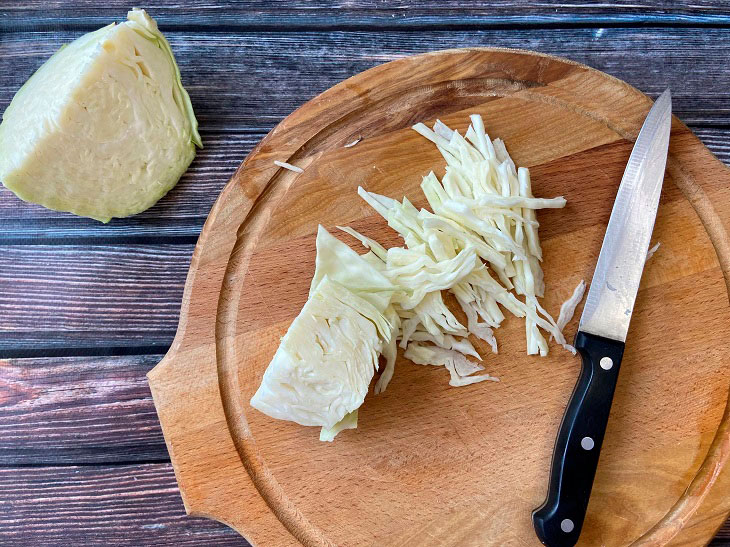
(567, 309)
(459, 367)
(486, 197)
(483, 204)
(651, 251)
(353, 143)
(479, 241)
(288, 166)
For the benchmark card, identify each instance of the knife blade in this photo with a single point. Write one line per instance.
(611, 297)
(602, 332)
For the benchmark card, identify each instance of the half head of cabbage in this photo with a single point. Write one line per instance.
(104, 128)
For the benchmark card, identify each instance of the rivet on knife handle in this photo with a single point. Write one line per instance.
(559, 520)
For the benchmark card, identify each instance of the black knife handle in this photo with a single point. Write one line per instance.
(559, 520)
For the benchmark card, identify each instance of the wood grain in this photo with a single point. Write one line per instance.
(467, 450)
(78, 410)
(285, 69)
(100, 505)
(104, 296)
(268, 35)
(117, 505)
(179, 216)
(362, 13)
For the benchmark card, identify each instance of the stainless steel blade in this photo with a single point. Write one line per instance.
(610, 300)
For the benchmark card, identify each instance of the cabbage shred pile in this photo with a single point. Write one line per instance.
(479, 241)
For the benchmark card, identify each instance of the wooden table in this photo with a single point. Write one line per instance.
(87, 309)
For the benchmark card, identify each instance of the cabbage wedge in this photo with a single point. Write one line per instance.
(320, 374)
(104, 128)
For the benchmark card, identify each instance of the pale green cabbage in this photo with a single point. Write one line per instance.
(321, 372)
(325, 362)
(482, 222)
(459, 367)
(348, 422)
(104, 128)
(340, 263)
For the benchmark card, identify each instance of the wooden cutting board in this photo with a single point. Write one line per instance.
(430, 464)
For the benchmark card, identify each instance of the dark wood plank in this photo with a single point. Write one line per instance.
(101, 505)
(78, 410)
(363, 13)
(254, 79)
(267, 75)
(717, 140)
(68, 296)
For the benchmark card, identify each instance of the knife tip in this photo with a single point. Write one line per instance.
(666, 96)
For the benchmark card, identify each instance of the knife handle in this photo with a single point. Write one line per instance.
(559, 520)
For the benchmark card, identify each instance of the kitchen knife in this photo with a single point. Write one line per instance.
(602, 332)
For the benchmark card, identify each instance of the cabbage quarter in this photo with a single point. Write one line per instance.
(104, 128)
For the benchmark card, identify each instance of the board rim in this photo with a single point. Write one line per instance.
(663, 531)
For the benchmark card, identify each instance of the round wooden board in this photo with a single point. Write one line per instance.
(430, 464)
